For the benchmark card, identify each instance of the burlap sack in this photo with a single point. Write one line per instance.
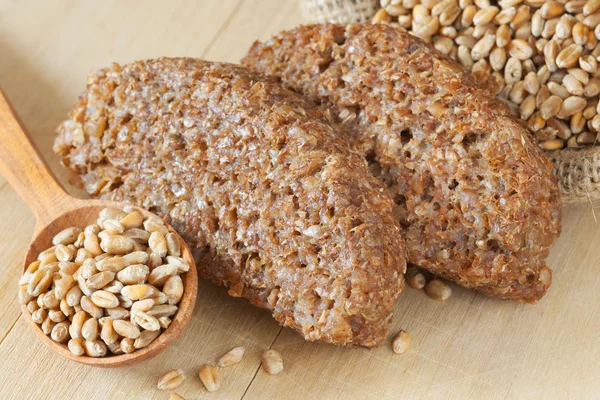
(578, 170)
(339, 11)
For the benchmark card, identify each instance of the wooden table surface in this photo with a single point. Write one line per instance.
(467, 347)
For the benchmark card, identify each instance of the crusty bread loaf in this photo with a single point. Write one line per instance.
(474, 194)
(268, 195)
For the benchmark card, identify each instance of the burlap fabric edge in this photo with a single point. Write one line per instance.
(339, 11)
(578, 173)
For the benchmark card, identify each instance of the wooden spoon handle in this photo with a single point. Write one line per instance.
(25, 169)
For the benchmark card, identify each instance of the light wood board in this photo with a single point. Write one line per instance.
(466, 347)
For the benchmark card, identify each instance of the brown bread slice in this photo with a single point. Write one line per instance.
(269, 196)
(474, 194)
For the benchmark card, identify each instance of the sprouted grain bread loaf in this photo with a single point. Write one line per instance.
(474, 195)
(269, 196)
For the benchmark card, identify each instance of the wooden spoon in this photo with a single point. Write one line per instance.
(55, 210)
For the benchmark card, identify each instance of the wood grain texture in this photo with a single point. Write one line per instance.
(468, 347)
(16, 225)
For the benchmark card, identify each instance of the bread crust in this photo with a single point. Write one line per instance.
(474, 194)
(267, 194)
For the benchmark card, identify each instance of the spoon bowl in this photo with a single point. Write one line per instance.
(55, 210)
(85, 213)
